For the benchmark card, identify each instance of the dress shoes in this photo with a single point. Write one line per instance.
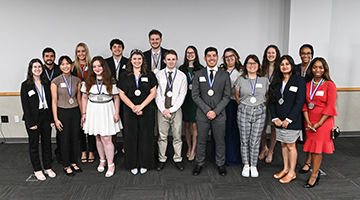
(179, 165)
(307, 185)
(77, 169)
(222, 170)
(302, 171)
(280, 174)
(197, 170)
(287, 179)
(68, 173)
(160, 166)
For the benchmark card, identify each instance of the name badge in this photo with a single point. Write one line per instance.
(124, 67)
(62, 85)
(202, 79)
(31, 92)
(320, 93)
(258, 85)
(144, 79)
(293, 88)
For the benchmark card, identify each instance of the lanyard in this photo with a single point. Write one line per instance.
(137, 79)
(282, 89)
(159, 55)
(173, 80)
(83, 71)
(52, 74)
(191, 77)
(212, 83)
(253, 88)
(42, 92)
(232, 71)
(67, 86)
(97, 85)
(312, 94)
(303, 74)
(270, 77)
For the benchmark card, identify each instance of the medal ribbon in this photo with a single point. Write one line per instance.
(137, 79)
(42, 92)
(52, 74)
(83, 72)
(167, 80)
(253, 88)
(270, 77)
(117, 68)
(97, 85)
(67, 86)
(159, 55)
(303, 74)
(191, 77)
(232, 71)
(281, 90)
(312, 94)
(212, 83)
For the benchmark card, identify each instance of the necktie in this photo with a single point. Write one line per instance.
(168, 99)
(211, 75)
(155, 61)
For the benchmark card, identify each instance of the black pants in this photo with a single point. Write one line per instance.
(82, 141)
(69, 136)
(44, 131)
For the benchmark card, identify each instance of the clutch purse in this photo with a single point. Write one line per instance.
(335, 132)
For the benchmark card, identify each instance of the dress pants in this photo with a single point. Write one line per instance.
(251, 121)
(44, 131)
(218, 131)
(90, 140)
(175, 122)
(69, 136)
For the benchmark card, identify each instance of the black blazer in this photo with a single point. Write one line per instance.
(294, 99)
(110, 62)
(148, 58)
(30, 104)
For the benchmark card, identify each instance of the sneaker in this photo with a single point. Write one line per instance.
(254, 172)
(245, 171)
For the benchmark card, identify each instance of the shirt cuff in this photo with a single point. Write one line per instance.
(289, 120)
(273, 120)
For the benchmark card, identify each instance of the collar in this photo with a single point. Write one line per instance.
(115, 61)
(216, 68)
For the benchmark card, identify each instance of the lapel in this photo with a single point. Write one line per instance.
(288, 84)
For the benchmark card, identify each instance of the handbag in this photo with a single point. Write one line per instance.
(335, 132)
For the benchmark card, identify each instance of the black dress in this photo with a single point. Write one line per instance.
(139, 142)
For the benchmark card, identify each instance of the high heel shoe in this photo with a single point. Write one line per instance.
(69, 173)
(317, 182)
(110, 174)
(280, 174)
(302, 171)
(263, 154)
(100, 168)
(287, 179)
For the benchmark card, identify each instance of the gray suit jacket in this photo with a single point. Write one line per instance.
(218, 101)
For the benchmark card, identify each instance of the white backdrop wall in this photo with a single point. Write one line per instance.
(27, 27)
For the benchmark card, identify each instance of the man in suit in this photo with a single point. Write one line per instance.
(117, 65)
(211, 93)
(117, 62)
(51, 71)
(170, 95)
(155, 56)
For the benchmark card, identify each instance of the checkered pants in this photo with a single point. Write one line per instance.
(251, 121)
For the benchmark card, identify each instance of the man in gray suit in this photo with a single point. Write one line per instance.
(211, 93)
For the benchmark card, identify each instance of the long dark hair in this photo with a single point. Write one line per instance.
(256, 59)
(186, 61)
(129, 66)
(30, 76)
(309, 75)
(266, 63)
(278, 77)
(238, 64)
(106, 75)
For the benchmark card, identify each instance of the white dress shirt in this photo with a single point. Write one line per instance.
(179, 89)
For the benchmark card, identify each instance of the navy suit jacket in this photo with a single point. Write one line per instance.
(217, 102)
(111, 64)
(294, 99)
(30, 104)
(148, 58)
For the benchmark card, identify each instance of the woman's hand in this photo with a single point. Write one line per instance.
(316, 126)
(139, 112)
(285, 123)
(52, 124)
(58, 125)
(83, 119)
(33, 128)
(116, 118)
(278, 122)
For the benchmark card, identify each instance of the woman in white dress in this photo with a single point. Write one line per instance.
(101, 103)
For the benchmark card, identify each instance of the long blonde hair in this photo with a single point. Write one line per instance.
(76, 63)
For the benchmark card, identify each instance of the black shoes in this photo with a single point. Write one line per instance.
(222, 170)
(160, 166)
(69, 173)
(179, 165)
(77, 169)
(307, 185)
(302, 171)
(197, 170)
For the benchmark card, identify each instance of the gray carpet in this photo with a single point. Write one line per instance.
(341, 181)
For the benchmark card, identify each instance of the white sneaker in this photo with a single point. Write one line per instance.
(254, 172)
(245, 171)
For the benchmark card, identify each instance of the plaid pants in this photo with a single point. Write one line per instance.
(251, 121)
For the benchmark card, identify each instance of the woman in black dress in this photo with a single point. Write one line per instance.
(137, 88)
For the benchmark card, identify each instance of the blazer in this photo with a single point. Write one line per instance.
(110, 62)
(294, 99)
(217, 102)
(148, 58)
(30, 104)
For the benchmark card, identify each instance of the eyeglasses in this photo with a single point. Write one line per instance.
(190, 53)
(251, 63)
(232, 55)
(305, 54)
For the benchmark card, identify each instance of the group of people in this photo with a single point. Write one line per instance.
(95, 98)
